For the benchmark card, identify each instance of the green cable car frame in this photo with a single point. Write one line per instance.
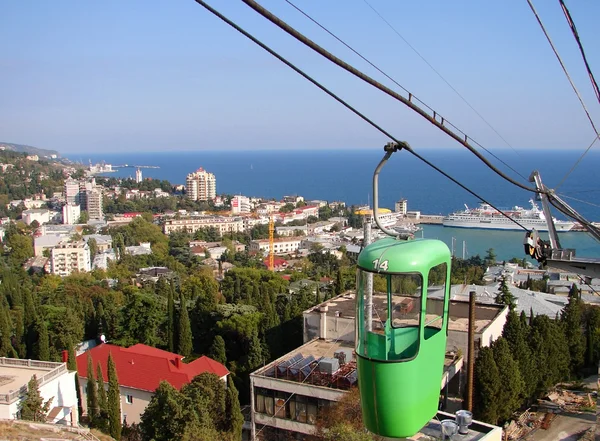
(401, 328)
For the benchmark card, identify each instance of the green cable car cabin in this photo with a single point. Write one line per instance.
(400, 335)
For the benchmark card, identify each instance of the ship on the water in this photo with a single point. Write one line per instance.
(487, 217)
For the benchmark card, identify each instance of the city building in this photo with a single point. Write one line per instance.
(138, 175)
(289, 394)
(71, 191)
(240, 204)
(401, 207)
(40, 215)
(191, 225)
(140, 370)
(201, 185)
(94, 203)
(56, 383)
(281, 245)
(71, 213)
(69, 257)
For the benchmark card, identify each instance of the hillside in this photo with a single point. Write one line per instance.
(21, 148)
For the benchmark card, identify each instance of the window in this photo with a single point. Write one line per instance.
(406, 299)
(129, 399)
(436, 286)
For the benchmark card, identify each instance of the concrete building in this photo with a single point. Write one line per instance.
(334, 319)
(103, 241)
(40, 215)
(201, 185)
(55, 382)
(401, 207)
(138, 175)
(71, 191)
(140, 370)
(94, 203)
(281, 245)
(289, 394)
(240, 204)
(71, 213)
(68, 257)
(191, 225)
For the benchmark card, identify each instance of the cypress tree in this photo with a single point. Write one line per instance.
(72, 360)
(6, 348)
(234, 420)
(92, 396)
(114, 401)
(486, 387)
(41, 348)
(217, 350)
(339, 283)
(102, 422)
(592, 326)
(516, 337)
(19, 339)
(511, 391)
(505, 297)
(184, 344)
(170, 322)
(571, 317)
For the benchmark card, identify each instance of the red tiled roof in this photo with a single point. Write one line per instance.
(144, 367)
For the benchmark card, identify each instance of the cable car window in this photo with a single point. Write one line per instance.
(436, 286)
(405, 290)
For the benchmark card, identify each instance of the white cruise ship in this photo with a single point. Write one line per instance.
(489, 218)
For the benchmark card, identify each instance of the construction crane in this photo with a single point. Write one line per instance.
(271, 243)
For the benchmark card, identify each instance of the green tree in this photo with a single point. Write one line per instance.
(572, 319)
(41, 350)
(21, 248)
(102, 420)
(93, 245)
(92, 395)
(33, 407)
(490, 257)
(511, 391)
(217, 350)
(486, 387)
(84, 217)
(184, 342)
(114, 401)
(505, 297)
(234, 420)
(516, 333)
(170, 322)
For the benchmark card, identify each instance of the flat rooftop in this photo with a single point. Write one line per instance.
(302, 365)
(13, 378)
(344, 306)
(16, 373)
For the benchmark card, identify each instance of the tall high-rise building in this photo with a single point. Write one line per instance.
(72, 191)
(401, 206)
(240, 204)
(138, 175)
(201, 185)
(94, 203)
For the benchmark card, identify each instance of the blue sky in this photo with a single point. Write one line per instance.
(167, 75)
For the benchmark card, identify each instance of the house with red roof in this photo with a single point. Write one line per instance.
(140, 369)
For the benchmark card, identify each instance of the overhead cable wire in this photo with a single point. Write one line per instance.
(442, 124)
(402, 87)
(347, 105)
(562, 65)
(579, 200)
(442, 78)
(577, 163)
(578, 40)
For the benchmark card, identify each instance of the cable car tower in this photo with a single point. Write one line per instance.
(401, 334)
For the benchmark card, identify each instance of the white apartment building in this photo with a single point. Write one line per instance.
(68, 257)
(191, 225)
(281, 245)
(201, 185)
(240, 204)
(71, 213)
(55, 382)
(40, 215)
(72, 191)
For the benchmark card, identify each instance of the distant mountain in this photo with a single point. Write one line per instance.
(20, 148)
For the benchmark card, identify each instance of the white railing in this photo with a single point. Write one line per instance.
(56, 369)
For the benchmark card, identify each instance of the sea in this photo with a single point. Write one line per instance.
(346, 175)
